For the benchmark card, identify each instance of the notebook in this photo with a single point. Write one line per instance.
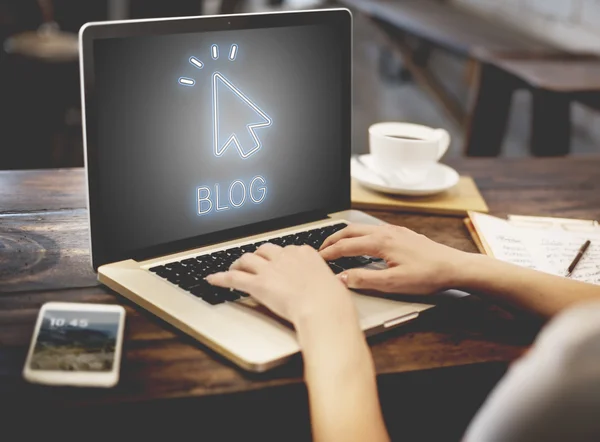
(540, 243)
(457, 201)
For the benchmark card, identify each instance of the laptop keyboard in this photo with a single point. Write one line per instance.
(189, 273)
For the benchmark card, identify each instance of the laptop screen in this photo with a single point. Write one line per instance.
(205, 132)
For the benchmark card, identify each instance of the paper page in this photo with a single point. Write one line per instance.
(506, 242)
(549, 250)
(560, 248)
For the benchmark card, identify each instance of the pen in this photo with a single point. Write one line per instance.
(580, 254)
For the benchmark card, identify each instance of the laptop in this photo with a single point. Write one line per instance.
(206, 137)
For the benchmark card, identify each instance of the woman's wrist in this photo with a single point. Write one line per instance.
(322, 310)
(321, 330)
(473, 271)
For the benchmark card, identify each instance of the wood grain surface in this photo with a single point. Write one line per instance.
(555, 74)
(44, 256)
(449, 26)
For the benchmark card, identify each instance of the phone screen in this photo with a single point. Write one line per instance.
(71, 340)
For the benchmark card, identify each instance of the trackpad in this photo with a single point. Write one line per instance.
(374, 311)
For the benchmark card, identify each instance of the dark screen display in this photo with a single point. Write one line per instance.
(76, 341)
(203, 132)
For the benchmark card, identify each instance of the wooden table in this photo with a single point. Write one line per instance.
(554, 81)
(439, 368)
(501, 60)
(436, 24)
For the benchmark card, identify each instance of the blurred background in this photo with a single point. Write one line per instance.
(505, 77)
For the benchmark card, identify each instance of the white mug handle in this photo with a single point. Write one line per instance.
(444, 142)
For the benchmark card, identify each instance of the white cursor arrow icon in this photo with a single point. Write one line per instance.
(218, 80)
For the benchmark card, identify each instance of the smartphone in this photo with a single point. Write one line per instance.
(76, 344)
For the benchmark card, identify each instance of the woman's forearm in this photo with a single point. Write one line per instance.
(523, 288)
(340, 378)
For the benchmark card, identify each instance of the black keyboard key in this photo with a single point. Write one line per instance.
(351, 262)
(241, 294)
(197, 275)
(302, 237)
(299, 241)
(288, 240)
(375, 259)
(315, 243)
(192, 262)
(330, 230)
(195, 270)
(212, 298)
(208, 293)
(186, 270)
(220, 268)
(209, 262)
(161, 271)
(203, 259)
(234, 253)
(187, 282)
(344, 263)
(335, 268)
(201, 288)
(250, 248)
(340, 226)
(363, 260)
(218, 259)
(216, 295)
(327, 231)
(205, 271)
(229, 295)
(221, 291)
(174, 278)
(210, 271)
(170, 267)
(201, 272)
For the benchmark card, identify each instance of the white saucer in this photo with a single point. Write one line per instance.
(439, 179)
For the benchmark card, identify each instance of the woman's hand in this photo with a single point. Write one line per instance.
(294, 282)
(417, 265)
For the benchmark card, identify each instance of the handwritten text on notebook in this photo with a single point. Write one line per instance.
(546, 249)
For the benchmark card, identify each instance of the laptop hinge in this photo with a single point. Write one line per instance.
(227, 235)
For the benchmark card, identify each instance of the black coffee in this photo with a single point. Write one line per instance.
(405, 137)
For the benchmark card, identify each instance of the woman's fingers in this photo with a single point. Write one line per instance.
(233, 279)
(352, 231)
(250, 263)
(386, 281)
(269, 251)
(363, 245)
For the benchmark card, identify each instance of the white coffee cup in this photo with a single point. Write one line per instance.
(405, 153)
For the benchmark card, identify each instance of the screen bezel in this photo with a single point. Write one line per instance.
(341, 19)
(76, 378)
